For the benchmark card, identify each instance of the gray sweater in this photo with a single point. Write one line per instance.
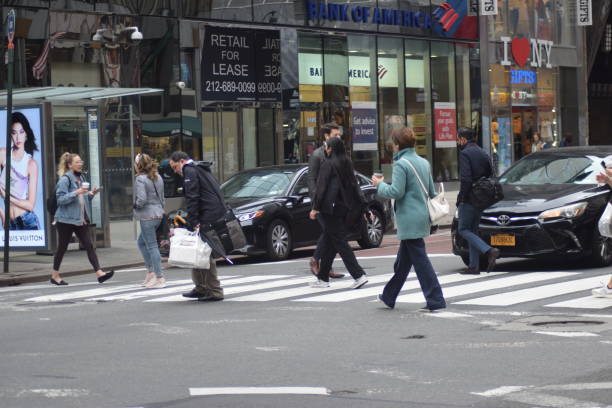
(148, 203)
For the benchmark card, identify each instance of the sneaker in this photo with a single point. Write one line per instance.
(381, 300)
(425, 310)
(604, 291)
(157, 283)
(319, 284)
(359, 282)
(148, 279)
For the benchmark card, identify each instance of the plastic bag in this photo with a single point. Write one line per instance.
(187, 250)
(605, 222)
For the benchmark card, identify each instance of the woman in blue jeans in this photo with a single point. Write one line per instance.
(412, 219)
(149, 211)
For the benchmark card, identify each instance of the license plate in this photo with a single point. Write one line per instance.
(503, 240)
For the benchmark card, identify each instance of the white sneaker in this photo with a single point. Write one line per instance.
(319, 284)
(157, 283)
(604, 291)
(148, 279)
(360, 282)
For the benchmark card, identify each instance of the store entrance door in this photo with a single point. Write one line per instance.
(238, 137)
(524, 125)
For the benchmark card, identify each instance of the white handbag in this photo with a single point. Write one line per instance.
(187, 250)
(438, 207)
(605, 222)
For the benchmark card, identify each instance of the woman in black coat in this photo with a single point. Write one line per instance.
(338, 202)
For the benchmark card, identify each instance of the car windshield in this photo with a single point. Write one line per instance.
(258, 184)
(553, 169)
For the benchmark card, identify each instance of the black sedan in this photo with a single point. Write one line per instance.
(272, 205)
(551, 206)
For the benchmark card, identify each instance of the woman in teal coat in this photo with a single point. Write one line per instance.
(412, 220)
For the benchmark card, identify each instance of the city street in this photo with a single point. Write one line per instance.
(527, 335)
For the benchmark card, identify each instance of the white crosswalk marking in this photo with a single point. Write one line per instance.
(489, 284)
(536, 293)
(243, 288)
(588, 302)
(180, 288)
(368, 291)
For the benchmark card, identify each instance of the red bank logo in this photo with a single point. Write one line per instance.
(446, 15)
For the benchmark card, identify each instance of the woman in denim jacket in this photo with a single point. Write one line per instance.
(149, 211)
(73, 215)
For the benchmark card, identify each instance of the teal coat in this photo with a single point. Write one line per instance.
(411, 213)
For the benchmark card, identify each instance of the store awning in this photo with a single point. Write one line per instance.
(171, 126)
(73, 93)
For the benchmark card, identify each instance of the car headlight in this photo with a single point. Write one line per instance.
(249, 216)
(568, 211)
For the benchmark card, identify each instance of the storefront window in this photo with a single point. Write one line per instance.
(235, 10)
(418, 94)
(445, 111)
(521, 19)
(565, 22)
(547, 116)
(501, 129)
(310, 63)
(391, 104)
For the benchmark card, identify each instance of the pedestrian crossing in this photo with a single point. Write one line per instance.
(558, 289)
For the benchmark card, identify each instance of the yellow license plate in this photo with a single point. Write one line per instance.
(503, 240)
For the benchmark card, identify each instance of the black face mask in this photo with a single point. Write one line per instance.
(77, 173)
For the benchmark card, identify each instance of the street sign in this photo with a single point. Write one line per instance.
(10, 28)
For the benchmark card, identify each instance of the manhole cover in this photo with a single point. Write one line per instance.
(567, 323)
(413, 337)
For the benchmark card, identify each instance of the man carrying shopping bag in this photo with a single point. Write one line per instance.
(204, 207)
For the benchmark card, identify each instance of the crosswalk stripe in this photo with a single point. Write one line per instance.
(180, 288)
(305, 290)
(243, 288)
(484, 285)
(10, 289)
(535, 293)
(410, 284)
(588, 302)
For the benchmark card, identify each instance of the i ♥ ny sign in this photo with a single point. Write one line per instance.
(522, 48)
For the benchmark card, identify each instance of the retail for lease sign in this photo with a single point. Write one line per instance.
(584, 12)
(445, 124)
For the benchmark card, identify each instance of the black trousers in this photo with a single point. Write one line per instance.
(334, 241)
(64, 232)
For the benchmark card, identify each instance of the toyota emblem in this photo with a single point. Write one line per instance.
(503, 219)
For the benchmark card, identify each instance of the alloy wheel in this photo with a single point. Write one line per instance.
(375, 231)
(280, 240)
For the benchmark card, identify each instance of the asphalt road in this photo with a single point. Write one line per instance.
(527, 335)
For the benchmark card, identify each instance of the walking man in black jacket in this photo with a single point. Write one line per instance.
(474, 163)
(314, 164)
(204, 207)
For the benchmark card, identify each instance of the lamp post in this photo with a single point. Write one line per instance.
(10, 24)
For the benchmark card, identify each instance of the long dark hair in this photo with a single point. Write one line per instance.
(30, 143)
(341, 162)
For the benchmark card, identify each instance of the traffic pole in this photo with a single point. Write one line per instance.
(9, 141)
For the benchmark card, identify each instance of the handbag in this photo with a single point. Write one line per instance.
(438, 207)
(188, 250)
(605, 222)
(162, 229)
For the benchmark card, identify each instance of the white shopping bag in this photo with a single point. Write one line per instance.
(187, 250)
(605, 222)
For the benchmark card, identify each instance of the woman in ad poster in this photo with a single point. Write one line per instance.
(24, 175)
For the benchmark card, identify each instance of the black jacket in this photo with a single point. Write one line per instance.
(474, 163)
(314, 165)
(334, 193)
(203, 199)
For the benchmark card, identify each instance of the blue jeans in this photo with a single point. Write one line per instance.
(147, 243)
(412, 252)
(27, 221)
(469, 218)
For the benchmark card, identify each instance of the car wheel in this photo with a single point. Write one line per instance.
(483, 261)
(372, 231)
(601, 250)
(278, 240)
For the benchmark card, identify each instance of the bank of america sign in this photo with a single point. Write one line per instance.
(584, 12)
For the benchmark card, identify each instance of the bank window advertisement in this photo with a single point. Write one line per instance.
(27, 209)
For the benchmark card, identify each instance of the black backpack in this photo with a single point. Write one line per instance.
(485, 192)
(52, 200)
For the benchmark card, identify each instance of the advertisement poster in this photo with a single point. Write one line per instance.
(240, 65)
(445, 124)
(27, 212)
(365, 136)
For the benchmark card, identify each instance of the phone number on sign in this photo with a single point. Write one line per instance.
(268, 87)
(230, 86)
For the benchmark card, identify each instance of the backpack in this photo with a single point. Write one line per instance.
(485, 192)
(52, 200)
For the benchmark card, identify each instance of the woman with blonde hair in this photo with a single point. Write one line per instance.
(149, 212)
(73, 215)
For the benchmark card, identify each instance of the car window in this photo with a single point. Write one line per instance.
(301, 187)
(553, 169)
(257, 184)
(362, 180)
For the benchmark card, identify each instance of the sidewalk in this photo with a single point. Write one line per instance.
(26, 267)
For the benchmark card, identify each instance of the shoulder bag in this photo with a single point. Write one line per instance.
(438, 206)
(162, 230)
